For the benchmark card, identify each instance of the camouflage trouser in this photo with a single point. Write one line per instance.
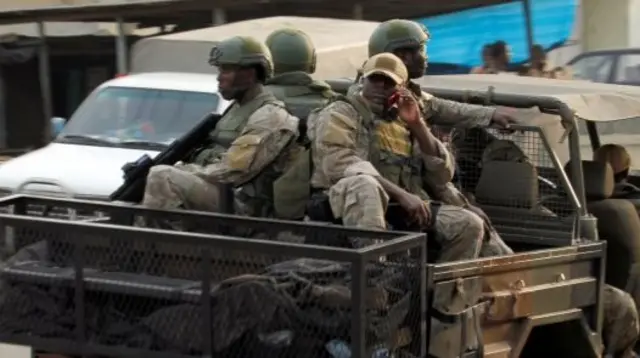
(620, 328)
(170, 187)
(493, 245)
(361, 201)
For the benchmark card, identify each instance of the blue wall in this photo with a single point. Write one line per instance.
(458, 38)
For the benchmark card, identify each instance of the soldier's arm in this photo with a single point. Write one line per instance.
(336, 143)
(442, 111)
(268, 132)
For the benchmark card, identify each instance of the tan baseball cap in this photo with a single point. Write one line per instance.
(386, 64)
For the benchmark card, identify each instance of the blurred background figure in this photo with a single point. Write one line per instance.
(500, 56)
(539, 66)
(487, 61)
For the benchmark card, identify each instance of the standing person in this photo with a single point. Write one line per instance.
(248, 148)
(487, 62)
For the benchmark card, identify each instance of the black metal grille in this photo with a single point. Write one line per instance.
(121, 290)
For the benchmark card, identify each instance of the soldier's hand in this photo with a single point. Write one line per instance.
(503, 118)
(408, 108)
(417, 209)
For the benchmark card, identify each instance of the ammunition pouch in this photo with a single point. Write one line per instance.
(456, 317)
(319, 209)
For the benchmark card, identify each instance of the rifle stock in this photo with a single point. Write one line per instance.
(135, 173)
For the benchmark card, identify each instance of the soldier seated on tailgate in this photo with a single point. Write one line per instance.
(248, 148)
(372, 160)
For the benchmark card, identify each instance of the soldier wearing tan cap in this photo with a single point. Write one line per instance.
(369, 152)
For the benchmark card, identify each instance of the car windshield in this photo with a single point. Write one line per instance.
(137, 116)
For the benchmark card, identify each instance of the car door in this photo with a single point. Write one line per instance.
(597, 67)
(627, 70)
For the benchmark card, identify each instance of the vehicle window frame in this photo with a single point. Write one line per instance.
(587, 57)
(615, 75)
(91, 101)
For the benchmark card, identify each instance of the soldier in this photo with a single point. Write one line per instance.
(294, 60)
(407, 40)
(366, 155)
(248, 148)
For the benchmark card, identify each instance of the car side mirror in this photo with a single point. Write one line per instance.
(57, 123)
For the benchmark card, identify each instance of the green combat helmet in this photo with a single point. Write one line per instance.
(242, 51)
(394, 34)
(292, 50)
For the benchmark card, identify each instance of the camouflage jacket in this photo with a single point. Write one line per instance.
(347, 144)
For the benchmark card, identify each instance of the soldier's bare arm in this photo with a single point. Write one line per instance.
(445, 112)
(268, 132)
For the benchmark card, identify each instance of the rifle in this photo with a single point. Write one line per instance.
(135, 173)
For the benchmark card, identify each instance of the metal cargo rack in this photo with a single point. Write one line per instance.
(105, 273)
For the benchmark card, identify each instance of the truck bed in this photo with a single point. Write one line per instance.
(551, 295)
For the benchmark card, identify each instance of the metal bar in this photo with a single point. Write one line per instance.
(219, 17)
(234, 220)
(526, 7)
(206, 303)
(121, 48)
(577, 177)
(211, 240)
(358, 309)
(564, 179)
(45, 84)
(358, 11)
(79, 294)
(594, 137)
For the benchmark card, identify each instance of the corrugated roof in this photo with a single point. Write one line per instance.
(172, 10)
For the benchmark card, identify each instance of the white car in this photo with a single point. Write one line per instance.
(117, 123)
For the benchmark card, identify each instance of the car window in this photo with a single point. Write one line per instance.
(121, 114)
(628, 68)
(595, 68)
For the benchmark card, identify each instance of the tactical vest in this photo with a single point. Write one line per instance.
(391, 151)
(230, 126)
(254, 198)
(301, 100)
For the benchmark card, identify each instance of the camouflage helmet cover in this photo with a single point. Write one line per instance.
(242, 51)
(292, 50)
(397, 33)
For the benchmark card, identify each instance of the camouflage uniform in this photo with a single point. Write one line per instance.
(396, 34)
(249, 148)
(620, 328)
(352, 146)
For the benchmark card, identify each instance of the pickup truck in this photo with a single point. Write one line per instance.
(123, 289)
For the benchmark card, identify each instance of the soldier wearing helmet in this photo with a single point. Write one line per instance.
(407, 40)
(366, 156)
(294, 60)
(247, 149)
